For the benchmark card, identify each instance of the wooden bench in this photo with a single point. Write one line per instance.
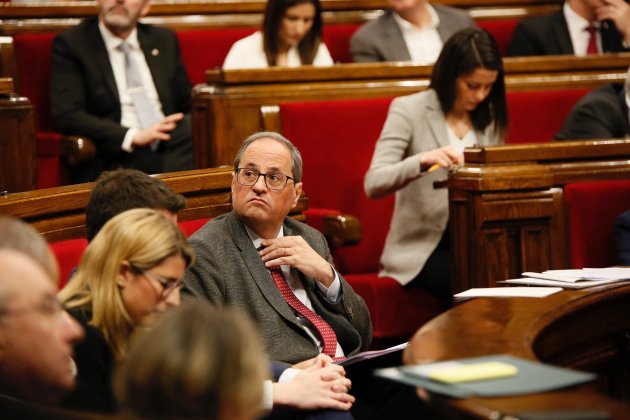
(234, 103)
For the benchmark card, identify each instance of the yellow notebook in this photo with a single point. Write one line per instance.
(473, 372)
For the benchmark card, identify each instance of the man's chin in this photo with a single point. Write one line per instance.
(118, 22)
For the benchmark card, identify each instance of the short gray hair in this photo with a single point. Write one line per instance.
(296, 157)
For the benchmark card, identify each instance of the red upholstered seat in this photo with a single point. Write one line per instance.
(33, 67)
(204, 49)
(337, 40)
(336, 139)
(592, 208)
(536, 116)
(68, 255)
(501, 29)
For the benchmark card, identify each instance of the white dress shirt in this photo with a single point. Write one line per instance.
(117, 60)
(249, 53)
(580, 37)
(424, 44)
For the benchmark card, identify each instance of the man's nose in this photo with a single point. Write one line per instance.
(71, 330)
(260, 184)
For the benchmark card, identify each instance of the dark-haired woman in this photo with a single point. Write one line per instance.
(291, 36)
(423, 137)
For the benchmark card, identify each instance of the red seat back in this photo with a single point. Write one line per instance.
(337, 40)
(591, 209)
(501, 29)
(204, 49)
(336, 139)
(536, 116)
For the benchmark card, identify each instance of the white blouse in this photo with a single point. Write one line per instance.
(248, 53)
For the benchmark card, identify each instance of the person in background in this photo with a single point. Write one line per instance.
(423, 138)
(37, 336)
(582, 27)
(197, 362)
(291, 36)
(600, 114)
(130, 273)
(411, 30)
(122, 84)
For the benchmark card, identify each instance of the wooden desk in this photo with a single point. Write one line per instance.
(18, 169)
(507, 205)
(585, 329)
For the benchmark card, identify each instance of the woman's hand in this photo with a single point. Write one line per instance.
(446, 157)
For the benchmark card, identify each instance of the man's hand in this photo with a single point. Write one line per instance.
(316, 387)
(321, 360)
(158, 131)
(619, 12)
(294, 251)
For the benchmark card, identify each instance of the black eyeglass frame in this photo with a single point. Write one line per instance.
(264, 175)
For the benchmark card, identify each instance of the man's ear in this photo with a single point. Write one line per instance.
(297, 191)
(145, 8)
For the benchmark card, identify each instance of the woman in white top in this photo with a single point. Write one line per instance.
(291, 36)
(423, 137)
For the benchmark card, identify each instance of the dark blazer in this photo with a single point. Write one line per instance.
(382, 40)
(549, 35)
(84, 96)
(229, 271)
(600, 114)
(622, 233)
(95, 367)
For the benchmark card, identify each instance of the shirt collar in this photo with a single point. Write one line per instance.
(112, 42)
(406, 26)
(574, 20)
(256, 239)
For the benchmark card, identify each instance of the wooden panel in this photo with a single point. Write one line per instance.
(515, 223)
(18, 169)
(570, 328)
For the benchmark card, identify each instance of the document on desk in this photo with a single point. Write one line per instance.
(575, 278)
(508, 375)
(534, 292)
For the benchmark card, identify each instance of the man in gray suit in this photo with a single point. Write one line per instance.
(412, 30)
(236, 251)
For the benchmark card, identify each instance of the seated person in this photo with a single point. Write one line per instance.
(197, 362)
(600, 114)
(464, 106)
(411, 30)
(122, 84)
(36, 335)
(130, 273)
(291, 36)
(582, 27)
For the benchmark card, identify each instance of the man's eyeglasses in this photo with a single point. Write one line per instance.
(274, 181)
(168, 285)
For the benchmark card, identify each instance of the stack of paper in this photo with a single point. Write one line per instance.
(535, 292)
(574, 278)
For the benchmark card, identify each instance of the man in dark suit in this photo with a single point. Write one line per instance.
(236, 251)
(566, 33)
(90, 95)
(411, 30)
(622, 234)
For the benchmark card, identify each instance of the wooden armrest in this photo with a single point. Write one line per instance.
(77, 150)
(341, 230)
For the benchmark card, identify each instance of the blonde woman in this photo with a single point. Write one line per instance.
(212, 368)
(130, 273)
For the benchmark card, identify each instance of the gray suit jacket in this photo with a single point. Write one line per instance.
(415, 124)
(382, 40)
(229, 271)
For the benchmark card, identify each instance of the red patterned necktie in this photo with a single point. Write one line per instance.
(329, 337)
(591, 48)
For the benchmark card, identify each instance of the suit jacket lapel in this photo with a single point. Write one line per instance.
(436, 119)
(561, 34)
(393, 38)
(154, 61)
(102, 58)
(259, 273)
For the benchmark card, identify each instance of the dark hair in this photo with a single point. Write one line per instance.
(463, 53)
(125, 189)
(271, 28)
